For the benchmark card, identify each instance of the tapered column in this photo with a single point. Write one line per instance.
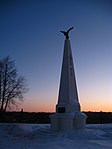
(68, 96)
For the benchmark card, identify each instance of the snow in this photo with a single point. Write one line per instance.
(40, 136)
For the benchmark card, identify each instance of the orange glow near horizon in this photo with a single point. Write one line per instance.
(89, 101)
(50, 107)
(47, 109)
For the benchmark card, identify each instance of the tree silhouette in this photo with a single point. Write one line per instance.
(12, 85)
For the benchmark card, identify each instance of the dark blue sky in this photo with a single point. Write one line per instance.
(29, 33)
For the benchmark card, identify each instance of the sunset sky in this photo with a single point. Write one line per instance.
(30, 34)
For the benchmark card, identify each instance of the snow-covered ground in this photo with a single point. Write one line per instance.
(39, 136)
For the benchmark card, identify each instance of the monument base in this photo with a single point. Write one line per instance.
(68, 121)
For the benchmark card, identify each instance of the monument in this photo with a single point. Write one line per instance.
(68, 115)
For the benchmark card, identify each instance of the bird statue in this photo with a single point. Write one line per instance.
(66, 33)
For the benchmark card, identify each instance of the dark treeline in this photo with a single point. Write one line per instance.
(43, 117)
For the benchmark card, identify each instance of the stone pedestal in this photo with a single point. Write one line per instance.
(68, 121)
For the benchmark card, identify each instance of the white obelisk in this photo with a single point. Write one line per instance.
(68, 115)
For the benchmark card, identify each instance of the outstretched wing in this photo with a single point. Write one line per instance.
(63, 32)
(69, 29)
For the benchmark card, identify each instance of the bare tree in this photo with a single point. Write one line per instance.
(12, 85)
